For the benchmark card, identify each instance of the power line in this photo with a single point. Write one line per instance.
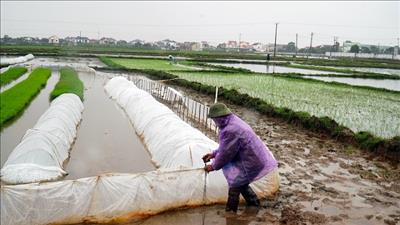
(200, 24)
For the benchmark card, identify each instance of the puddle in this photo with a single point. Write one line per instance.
(271, 68)
(13, 133)
(388, 84)
(106, 141)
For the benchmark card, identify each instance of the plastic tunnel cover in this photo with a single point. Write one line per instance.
(44, 148)
(179, 181)
(21, 59)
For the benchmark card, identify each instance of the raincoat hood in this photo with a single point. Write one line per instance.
(241, 154)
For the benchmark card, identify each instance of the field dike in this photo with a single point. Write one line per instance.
(44, 148)
(179, 182)
(385, 148)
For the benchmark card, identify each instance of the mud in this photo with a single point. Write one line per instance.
(322, 181)
(106, 141)
(13, 132)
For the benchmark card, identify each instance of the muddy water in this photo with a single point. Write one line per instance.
(13, 133)
(271, 68)
(106, 141)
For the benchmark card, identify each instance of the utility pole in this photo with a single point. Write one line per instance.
(297, 36)
(312, 34)
(80, 37)
(276, 33)
(240, 40)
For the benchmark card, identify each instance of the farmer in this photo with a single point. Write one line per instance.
(241, 154)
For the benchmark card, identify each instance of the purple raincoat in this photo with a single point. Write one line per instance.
(241, 154)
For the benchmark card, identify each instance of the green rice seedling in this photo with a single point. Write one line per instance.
(11, 74)
(69, 83)
(16, 99)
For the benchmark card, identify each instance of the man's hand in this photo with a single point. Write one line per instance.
(207, 157)
(208, 168)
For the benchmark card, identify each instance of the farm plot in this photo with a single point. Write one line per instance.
(360, 109)
(12, 134)
(14, 100)
(357, 108)
(154, 64)
(11, 74)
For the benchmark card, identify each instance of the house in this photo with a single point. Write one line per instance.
(259, 47)
(244, 45)
(54, 40)
(137, 42)
(196, 46)
(270, 47)
(107, 41)
(77, 40)
(231, 44)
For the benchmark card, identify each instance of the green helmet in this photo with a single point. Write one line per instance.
(218, 109)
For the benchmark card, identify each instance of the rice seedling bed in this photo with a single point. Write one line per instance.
(15, 100)
(11, 74)
(69, 83)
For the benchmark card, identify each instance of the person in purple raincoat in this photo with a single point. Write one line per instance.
(241, 154)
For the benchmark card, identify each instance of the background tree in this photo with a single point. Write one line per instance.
(365, 50)
(355, 49)
(291, 47)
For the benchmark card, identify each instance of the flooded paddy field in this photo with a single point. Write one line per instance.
(259, 68)
(387, 84)
(369, 70)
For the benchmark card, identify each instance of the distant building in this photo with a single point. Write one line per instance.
(77, 40)
(137, 42)
(245, 45)
(379, 48)
(279, 47)
(196, 46)
(259, 47)
(107, 41)
(231, 44)
(54, 40)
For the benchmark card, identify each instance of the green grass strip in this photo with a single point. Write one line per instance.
(69, 83)
(11, 74)
(13, 101)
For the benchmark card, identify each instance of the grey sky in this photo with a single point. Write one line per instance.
(367, 22)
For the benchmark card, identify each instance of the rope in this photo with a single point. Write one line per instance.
(204, 197)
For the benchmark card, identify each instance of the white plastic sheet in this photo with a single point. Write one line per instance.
(179, 181)
(114, 197)
(21, 59)
(45, 147)
(171, 142)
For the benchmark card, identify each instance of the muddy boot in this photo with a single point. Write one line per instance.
(250, 196)
(233, 200)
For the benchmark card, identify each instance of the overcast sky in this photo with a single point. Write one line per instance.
(366, 22)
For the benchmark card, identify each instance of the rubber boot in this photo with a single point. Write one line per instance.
(250, 196)
(233, 200)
